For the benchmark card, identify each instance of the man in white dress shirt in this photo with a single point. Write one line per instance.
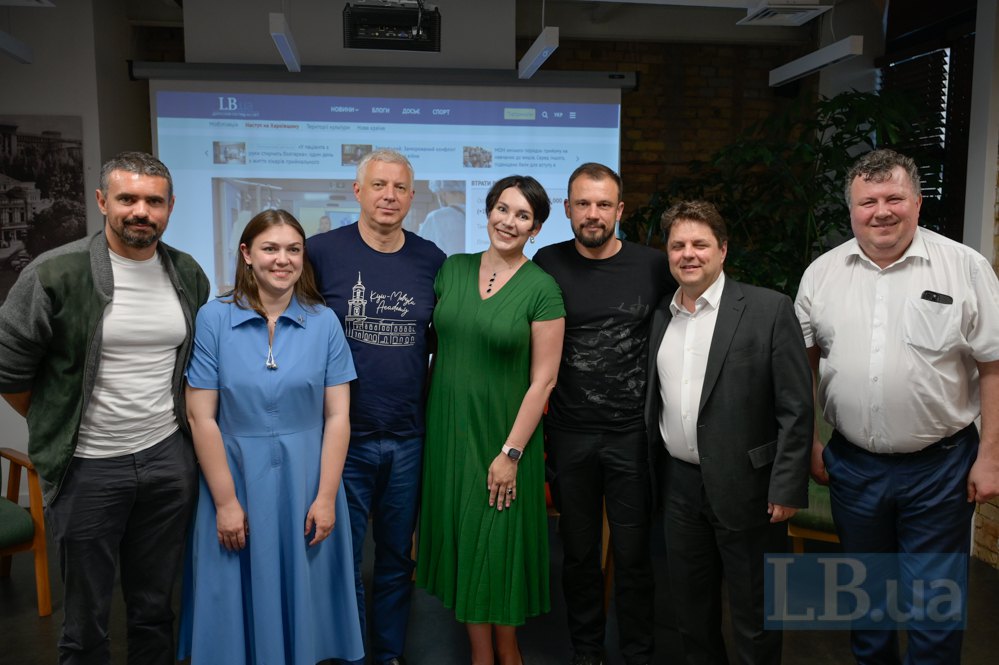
(902, 330)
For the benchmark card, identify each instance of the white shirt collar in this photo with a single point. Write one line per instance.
(710, 298)
(916, 249)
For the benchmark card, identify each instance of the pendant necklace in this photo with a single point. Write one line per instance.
(270, 363)
(492, 280)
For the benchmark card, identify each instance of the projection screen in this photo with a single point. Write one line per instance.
(237, 148)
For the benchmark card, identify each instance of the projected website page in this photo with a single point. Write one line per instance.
(233, 154)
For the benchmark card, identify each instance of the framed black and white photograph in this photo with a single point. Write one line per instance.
(42, 203)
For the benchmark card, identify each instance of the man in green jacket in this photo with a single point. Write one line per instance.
(94, 340)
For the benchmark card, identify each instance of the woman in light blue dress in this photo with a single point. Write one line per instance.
(269, 577)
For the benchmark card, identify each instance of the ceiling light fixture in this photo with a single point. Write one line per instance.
(15, 48)
(285, 42)
(844, 49)
(540, 50)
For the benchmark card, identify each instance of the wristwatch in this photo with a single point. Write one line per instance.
(513, 453)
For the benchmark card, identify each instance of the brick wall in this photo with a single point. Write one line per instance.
(691, 100)
(986, 540)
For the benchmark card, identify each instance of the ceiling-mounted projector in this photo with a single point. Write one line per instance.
(399, 25)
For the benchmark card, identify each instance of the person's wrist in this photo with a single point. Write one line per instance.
(512, 452)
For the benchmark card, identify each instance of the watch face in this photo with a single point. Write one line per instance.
(514, 454)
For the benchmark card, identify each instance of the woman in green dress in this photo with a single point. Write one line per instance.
(483, 547)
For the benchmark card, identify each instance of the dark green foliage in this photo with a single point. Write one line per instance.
(780, 187)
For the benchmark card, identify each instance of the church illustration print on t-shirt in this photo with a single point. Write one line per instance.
(377, 326)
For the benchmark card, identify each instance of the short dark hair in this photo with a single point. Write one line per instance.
(695, 211)
(245, 289)
(141, 163)
(532, 190)
(595, 171)
(877, 165)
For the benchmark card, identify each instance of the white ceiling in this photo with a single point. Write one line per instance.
(170, 12)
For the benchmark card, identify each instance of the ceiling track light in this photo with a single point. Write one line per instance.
(285, 42)
(540, 50)
(15, 48)
(844, 49)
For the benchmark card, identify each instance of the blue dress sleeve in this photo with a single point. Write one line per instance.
(203, 370)
(339, 362)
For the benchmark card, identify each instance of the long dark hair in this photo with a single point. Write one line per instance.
(245, 292)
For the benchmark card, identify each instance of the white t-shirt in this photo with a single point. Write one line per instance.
(132, 406)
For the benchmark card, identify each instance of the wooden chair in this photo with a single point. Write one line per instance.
(814, 522)
(22, 530)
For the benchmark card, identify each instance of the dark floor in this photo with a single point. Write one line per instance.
(436, 639)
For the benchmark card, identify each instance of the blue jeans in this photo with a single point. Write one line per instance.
(915, 503)
(381, 476)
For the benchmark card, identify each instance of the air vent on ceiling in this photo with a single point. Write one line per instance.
(784, 13)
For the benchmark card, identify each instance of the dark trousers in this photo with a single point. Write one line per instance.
(381, 477)
(133, 508)
(700, 553)
(591, 468)
(913, 503)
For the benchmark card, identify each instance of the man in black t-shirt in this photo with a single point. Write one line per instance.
(595, 424)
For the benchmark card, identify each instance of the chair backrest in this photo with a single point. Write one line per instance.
(818, 515)
(21, 529)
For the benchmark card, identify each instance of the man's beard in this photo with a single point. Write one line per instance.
(137, 240)
(592, 241)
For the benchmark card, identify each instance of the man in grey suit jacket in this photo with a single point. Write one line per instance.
(729, 414)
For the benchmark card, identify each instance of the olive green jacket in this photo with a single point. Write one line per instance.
(50, 341)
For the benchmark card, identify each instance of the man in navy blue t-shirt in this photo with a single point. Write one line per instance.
(379, 279)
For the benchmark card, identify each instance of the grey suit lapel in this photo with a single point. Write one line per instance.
(730, 309)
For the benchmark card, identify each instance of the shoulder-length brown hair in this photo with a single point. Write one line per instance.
(245, 293)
